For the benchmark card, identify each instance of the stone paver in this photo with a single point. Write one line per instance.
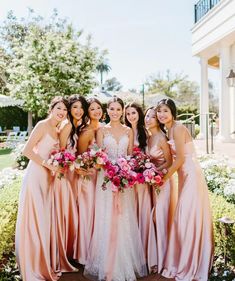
(78, 276)
(221, 149)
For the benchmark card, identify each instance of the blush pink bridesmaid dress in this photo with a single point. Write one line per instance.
(161, 216)
(190, 251)
(143, 204)
(66, 215)
(66, 222)
(35, 239)
(86, 211)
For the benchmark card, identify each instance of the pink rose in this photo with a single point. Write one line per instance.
(158, 179)
(140, 178)
(110, 172)
(114, 188)
(116, 181)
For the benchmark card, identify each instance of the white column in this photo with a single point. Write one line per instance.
(204, 97)
(224, 96)
(232, 93)
(232, 111)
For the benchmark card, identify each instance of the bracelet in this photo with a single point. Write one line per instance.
(43, 162)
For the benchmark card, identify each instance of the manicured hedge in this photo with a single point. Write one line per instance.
(8, 211)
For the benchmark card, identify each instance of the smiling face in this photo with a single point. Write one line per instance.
(150, 119)
(77, 111)
(59, 111)
(95, 111)
(132, 115)
(164, 114)
(115, 111)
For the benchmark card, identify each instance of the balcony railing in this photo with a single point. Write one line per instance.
(203, 7)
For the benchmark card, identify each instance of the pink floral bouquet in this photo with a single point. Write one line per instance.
(153, 176)
(146, 171)
(119, 174)
(138, 162)
(61, 158)
(94, 157)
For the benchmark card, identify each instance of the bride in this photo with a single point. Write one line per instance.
(116, 251)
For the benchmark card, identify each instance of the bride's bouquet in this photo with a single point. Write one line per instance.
(119, 174)
(61, 158)
(94, 157)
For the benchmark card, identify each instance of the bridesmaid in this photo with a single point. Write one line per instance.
(190, 248)
(35, 224)
(134, 118)
(86, 187)
(77, 113)
(159, 151)
(65, 202)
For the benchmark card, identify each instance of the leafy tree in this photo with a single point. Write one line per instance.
(164, 84)
(187, 93)
(4, 60)
(47, 59)
(112, 85)
(103, 67)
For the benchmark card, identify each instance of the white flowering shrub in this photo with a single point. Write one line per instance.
(21, 160)
(47, 60)
(8, 175)
(219, 176)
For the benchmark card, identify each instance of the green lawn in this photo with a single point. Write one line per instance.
(6, 158)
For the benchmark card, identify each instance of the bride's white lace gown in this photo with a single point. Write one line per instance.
(116, 251)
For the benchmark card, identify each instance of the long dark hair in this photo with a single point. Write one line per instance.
(171, 105)
(142, 134)
(57, 99)
(92, 100)
(77, 130)
(161, 126)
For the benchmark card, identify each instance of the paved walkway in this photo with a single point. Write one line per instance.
(79, 277)
(221, 149)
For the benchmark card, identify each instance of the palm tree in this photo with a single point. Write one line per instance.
(103, 67)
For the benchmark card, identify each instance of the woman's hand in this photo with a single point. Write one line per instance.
(54, 169)
(82, 172)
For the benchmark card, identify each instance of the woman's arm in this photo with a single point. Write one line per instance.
(64, 135)
(179, 139)
(99, 137)
(38, 132)
(167, 154)
(84, 140)
(131, 142)
(34, 138)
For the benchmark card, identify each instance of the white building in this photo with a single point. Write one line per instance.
(213, 41)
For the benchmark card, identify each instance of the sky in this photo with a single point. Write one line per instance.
(143, 37)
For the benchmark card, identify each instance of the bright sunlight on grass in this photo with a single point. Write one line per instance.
(6, 158)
